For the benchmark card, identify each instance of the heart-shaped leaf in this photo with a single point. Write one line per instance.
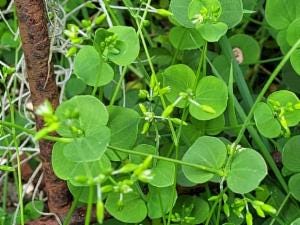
(81, 108)
(185, 39)
(123, 123)
(286, 99)
(160, 201)
(180, 78)
(133, 209)
(211, 92)
(198, 208)
(291, 154)
(128, 47)
(88, 148)
(265, 121)
(164, 173)
(91, 68)
(206, 151)
(67, 170)
(295, 59)
(294, 184)
(247, 170)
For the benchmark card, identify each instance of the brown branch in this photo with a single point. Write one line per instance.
(36, 47)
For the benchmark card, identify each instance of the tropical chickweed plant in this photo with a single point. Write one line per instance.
(171, 112)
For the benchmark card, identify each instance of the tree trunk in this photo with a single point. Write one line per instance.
(36, 46)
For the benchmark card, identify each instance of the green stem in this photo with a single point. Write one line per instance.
(89, 206)
(266, 87)
(200, 167)
(280, 208)
(115, 94)
(19, 174)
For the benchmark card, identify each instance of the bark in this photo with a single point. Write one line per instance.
(36, 47)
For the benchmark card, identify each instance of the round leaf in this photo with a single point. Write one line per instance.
(294, 184)
(179, 10)
(123, 123)
(164, 173)
(266, 124)
(180, 78)
(291, 154)
(160, 201)
(91, 68)
(296, 222)
(199, 209)
(284, 98)
(74, 87)
(248, 46)
(67, 170)
(92, 114)
(293, 32)
(212, 32)
(295, 59)
(129, 46)
(185, 38)
(211, 92)
(206, 151)
(133, 210)
(281, 13)
(88, 148)
(144, 148)
(232, 12)
(247, 170)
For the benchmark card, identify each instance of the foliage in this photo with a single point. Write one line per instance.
(171, 110)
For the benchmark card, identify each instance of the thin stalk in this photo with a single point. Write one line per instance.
(266, 87)
(89, 206)
(280, 208)
(200, 167)
(19, 174)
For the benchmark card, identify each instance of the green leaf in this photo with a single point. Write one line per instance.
(31, 210)
(295, 59)
(91, 68)
(3, 3)
(164, 173)
(133, 210)
(180, 78)
(232, 12)
(293, 32)
(88, 148)
(82, 192)
(286, 98)
(211, 92)
(265, 121)
(247, 170)
(215, 126)
(196, 208)
(92, 114)
(179, 9)
(291, 154)
(185, 38)
(294, 184)
(212, 32)
(74, 87)
(248, 46)
(128, 47)
(144, 148)
(160, 201)
(66, 169)
(123, 123)
(206, 151)
(296, 222)
(281, 13)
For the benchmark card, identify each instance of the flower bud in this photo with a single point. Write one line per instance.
(164, 12)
